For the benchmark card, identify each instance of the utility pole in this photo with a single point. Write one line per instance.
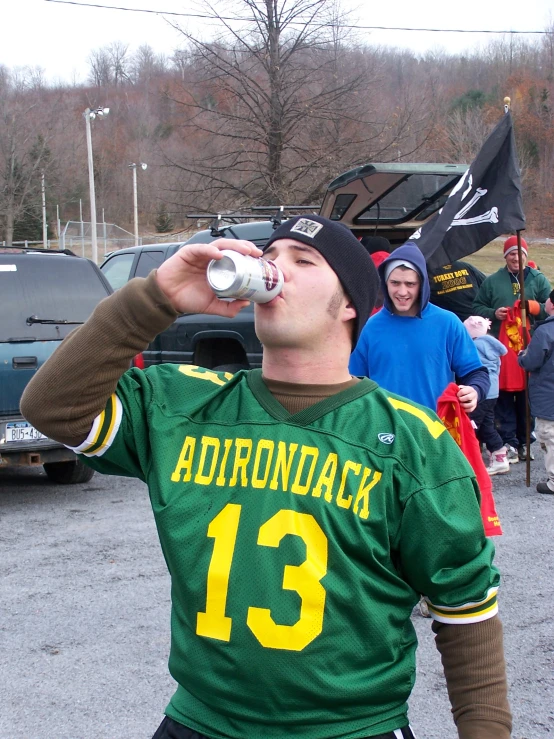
(44, 224)
(134, 166)
(88, 116)
(135, 204)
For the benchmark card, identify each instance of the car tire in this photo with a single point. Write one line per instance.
(68, 473)
(232, 368)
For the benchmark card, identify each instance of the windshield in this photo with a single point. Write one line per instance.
(47, 287)
(408, 199)
(117, 269)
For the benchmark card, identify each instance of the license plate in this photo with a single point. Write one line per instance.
(22, 431)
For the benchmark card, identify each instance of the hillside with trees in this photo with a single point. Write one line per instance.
(266, 111)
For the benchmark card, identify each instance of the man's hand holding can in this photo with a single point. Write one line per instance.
(182, 277)
(242, 277)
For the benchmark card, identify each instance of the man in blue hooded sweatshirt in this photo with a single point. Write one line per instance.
(414, 348)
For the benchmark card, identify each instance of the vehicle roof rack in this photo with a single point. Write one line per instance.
(37, 249)
(273, 213)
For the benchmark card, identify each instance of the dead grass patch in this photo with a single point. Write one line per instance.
(489, 259)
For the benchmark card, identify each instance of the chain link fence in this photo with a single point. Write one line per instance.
(76, 236)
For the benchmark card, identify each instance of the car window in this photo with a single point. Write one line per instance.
(117, 269)
(257, 232)
(148, 261)
(409, 197)
(39, 293)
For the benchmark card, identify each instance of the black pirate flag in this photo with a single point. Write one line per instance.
(485, 203)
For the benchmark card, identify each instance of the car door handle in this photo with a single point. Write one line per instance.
(24, 362)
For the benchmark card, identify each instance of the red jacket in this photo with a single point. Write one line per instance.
(459, 425)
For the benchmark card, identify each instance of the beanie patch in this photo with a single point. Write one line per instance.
(307, 227)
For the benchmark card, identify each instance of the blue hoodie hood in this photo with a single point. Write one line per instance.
(410, 253)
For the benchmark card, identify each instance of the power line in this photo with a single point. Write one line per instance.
(143, 10)
(252, 20)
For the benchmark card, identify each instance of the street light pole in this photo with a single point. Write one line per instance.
(135, 203)
(44, 224)
(88, 116)
(134, 166)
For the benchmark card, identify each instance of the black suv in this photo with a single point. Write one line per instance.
(45, 294)
(390, 200)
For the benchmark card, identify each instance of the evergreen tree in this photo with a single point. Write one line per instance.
(164, 221)
(29, 226)
(28, 223)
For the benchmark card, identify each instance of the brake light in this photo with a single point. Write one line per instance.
(138, 361)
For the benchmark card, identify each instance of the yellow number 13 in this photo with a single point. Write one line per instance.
(303, 579)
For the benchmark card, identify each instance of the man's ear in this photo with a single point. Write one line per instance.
(349, 311)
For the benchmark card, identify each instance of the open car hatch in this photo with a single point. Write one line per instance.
(391, 200)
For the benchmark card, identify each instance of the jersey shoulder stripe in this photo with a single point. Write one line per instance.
(434, 426)
(469, 613)
(106, 425)
(200, 373)
(103, 431)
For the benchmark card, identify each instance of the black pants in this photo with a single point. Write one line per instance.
(486, 431)
(170, 729)
(510, 415)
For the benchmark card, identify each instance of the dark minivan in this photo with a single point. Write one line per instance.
(45, 295)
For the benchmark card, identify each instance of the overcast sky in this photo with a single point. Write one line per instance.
(59, 37)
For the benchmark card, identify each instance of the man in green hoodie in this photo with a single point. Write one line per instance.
(496, 296)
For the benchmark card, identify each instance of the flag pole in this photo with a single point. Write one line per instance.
(521, 277)
(525, 343)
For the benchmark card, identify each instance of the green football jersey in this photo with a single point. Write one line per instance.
(297, 546)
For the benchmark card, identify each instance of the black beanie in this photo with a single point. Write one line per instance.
(345, 255)
(375, 243)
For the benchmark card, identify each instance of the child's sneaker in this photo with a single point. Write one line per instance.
(522, 453)
(499, 462)
(511, 455)
(424, 608)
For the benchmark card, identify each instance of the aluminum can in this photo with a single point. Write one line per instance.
(237, 276)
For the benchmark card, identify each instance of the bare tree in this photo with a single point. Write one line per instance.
(548, 51)
(283, 103)
(145, 64)
(100, 73)
(466, 131)
(26, 128)
(110, 65)
(120, 62)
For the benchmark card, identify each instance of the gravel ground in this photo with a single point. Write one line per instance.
(84, 626)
